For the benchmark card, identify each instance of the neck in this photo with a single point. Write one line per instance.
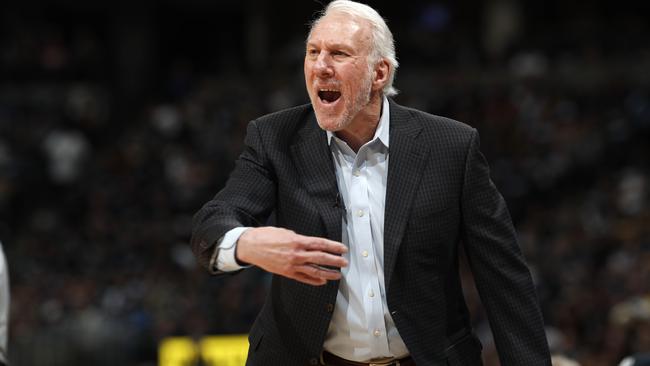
(364, 124)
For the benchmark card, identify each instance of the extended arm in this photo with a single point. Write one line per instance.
(246, 201)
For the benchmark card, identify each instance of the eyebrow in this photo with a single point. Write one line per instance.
(339, 46)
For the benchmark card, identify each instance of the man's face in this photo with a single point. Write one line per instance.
(337, 75)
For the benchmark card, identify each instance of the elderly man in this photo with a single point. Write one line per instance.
(372, 200)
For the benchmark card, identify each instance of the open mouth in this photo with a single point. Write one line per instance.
(328, 96)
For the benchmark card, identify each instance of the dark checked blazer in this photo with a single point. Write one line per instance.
(438, 196)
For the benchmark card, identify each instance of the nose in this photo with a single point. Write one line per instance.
(323, 66)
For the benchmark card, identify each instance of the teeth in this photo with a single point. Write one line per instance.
(328, 90)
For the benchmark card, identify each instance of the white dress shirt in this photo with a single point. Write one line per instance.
(361, 328)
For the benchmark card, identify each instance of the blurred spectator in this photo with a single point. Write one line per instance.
(66, 151)
(636, 360)
(4, 307)
(559, 360)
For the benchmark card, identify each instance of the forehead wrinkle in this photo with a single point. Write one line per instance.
(361, 34)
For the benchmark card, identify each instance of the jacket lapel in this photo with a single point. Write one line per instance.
(313, 159)
(405, 167)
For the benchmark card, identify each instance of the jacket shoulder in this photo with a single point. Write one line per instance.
(441, 131)
(284, 117)
(282, 126)
(442, 124)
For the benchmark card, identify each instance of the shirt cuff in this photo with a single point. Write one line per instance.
(225, 251)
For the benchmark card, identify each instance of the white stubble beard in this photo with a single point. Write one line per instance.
(351, 108)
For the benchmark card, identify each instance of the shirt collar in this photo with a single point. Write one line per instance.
(383, 127)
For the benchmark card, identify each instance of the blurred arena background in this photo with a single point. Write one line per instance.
(119, 119)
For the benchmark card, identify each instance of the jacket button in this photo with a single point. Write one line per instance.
(313, 361)
(329, 307)
(203, 244)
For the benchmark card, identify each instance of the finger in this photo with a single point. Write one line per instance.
(319, 273)
(322, 244)
(323, 259)
(298, 276)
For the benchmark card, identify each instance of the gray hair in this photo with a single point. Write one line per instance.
(383, 45)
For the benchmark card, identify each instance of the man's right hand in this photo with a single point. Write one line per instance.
(288, 254)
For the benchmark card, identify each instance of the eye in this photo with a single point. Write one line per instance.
(339, 54)
(312, 52)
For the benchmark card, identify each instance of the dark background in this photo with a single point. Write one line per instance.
(119, 119)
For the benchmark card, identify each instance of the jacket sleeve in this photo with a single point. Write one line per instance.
(502, 277)
(247, 199)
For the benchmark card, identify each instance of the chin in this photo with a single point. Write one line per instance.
(330, 123)
(329, 120)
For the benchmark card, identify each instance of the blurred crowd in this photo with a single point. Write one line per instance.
(100, 176)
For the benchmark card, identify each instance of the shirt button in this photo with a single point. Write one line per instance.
(360, 213)
(376, 333)
(356, 173)
(364, 253)
(313, 361)
(329, 307)
(371, 293)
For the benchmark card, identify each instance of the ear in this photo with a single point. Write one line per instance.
(380, 74)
